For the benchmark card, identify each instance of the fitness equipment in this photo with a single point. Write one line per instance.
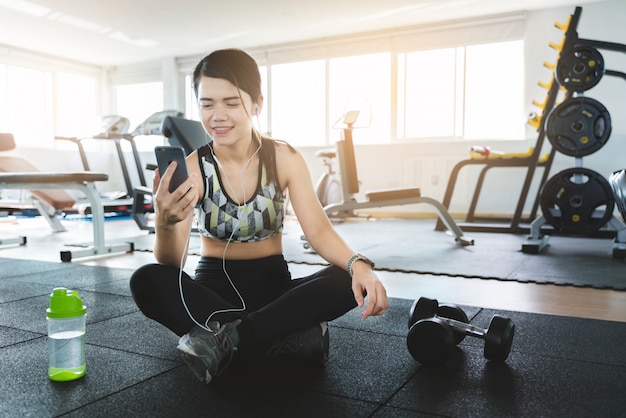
(579, 126)
(180, 132)
(185, 133)
(618, 184)
(580, 68)
(433, 333)
(328, 186)
(115, 128)
(434, 330)
(577, 201)
(380, 198)
(50, 204)
(440, 310)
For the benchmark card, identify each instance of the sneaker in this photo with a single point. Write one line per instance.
(209, 352)
(311, 345)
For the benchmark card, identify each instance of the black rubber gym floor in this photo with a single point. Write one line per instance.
(558, 366)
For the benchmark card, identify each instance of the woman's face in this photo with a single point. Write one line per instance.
(226, 112)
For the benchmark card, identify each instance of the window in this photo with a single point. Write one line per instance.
(429, 94)
(191, 102)
(137, 102)
(361, 83)
(38, 105)
(76, 105)
(494, 91)
(263, 119)
(461, 93)
(473, 93)
(3, 99)
(29, 106)
(298, 102)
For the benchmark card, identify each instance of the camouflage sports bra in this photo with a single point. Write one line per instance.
(221, 218)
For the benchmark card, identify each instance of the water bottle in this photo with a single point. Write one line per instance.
(66, 335)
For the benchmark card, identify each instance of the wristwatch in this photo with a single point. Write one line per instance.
(356, 257)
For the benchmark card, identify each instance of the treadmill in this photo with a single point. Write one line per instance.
(180, 132)
(115, 128)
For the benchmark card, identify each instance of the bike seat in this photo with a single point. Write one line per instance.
(326, 153)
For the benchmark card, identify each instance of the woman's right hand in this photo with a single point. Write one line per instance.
(171, 208)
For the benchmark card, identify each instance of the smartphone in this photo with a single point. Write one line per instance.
(165, 155)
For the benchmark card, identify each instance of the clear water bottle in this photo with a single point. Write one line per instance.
(66, 335)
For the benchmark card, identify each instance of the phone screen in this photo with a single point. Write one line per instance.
(165, 155)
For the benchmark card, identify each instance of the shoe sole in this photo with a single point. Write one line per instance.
(198, 367)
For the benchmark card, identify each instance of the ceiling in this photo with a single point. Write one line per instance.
(120, 32)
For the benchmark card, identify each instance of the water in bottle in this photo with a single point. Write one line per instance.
(66, 335)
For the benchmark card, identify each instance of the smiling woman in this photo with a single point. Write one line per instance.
(242, 297)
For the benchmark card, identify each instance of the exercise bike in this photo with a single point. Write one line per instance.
(349, 186)
(330, 187)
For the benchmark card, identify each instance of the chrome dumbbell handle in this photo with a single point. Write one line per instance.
(468, 329)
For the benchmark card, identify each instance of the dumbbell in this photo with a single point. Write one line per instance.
(434, 330)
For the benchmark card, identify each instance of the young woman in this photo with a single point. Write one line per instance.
(243, 296)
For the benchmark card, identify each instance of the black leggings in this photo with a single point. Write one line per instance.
(275, 304)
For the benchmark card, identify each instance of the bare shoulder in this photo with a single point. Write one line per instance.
(289, 162)
(283, 148)
(287, 155)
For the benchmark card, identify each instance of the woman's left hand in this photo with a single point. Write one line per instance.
(367, 285)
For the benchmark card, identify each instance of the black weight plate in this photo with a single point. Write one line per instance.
(422, 308)
(577, 201)
(454, 312)
(499, 338)
(579, 126)
(579, 68)
(430, 341)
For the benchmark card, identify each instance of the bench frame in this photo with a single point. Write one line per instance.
(81, 181)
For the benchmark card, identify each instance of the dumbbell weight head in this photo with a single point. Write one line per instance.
(454, 312)
(424, 308)
(499, 338)
(430, 341)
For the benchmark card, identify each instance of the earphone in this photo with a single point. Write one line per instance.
(240, 209)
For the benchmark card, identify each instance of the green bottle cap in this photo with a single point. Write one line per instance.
(65, 304)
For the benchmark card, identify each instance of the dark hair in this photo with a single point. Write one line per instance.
(242, 71)
(233, 65)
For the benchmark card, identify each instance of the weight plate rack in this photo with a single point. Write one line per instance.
(579, 201)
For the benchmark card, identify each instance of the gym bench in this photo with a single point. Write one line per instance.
(385, 197)
(81, 181)
(398, 197)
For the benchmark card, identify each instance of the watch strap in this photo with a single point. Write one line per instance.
(357, 257)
